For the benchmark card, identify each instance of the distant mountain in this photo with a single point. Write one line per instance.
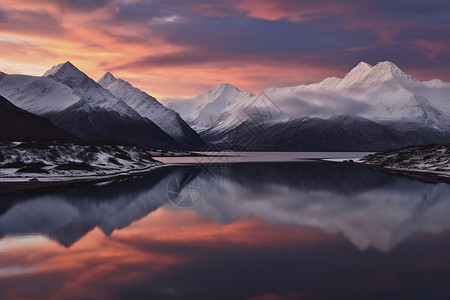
(372, 108)
(203, 111)
(82, 107)
(147, 106)
(19, 125)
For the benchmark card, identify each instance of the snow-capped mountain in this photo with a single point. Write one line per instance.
(380, 93)
(90, 92)
(38, 95)
(203, 111)
(99, 115)
(398, 109)
(82, 107)
(147, 106)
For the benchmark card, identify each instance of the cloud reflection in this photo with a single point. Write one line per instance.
(285, 226)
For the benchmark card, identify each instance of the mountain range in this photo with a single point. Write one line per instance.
(147, 106)
(372, 108)
(85, 109)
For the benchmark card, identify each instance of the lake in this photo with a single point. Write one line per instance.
(256, 228)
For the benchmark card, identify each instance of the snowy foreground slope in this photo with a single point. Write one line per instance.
(372, 108)
(430, 163)
(59, 162)
(82, 107)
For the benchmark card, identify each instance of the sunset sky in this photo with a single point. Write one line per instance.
(176, 49)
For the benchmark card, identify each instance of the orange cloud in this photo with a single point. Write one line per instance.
(174, 49)
(297, 11)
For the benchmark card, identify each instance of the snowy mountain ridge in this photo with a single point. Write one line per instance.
(106, 80)
(203, 111)
(380, 93)
(84, 108)
(88, 90)
(371, 108)
(147, 106)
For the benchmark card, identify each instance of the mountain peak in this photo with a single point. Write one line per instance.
(382, 71)
(357, 74)
(222, 87)
(387, 69)
(387, 65)
(360, 69)
(66, 73)
(106, 80)
(64, 67)
(363, 64)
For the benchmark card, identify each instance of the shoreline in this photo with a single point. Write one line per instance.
(425, 176)
(428, 163)
(33, 165)
(77, 181)
(24, 184)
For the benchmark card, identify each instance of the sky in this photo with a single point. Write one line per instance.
(174, 49)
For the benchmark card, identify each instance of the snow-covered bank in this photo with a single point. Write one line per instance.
(36, 163)
(429, 163)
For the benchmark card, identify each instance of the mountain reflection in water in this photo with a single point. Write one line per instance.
(242, 231)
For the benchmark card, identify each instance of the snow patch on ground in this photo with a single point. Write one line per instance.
(433, 161)
(31, 161)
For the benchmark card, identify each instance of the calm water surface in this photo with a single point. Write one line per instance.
(258, 230)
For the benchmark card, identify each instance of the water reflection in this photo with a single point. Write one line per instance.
(368, 207)
(253, 231)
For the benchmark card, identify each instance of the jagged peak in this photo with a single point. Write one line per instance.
(67, 68)
(106, 80)
(382, 71)
(224, 89)
(387, 65)
(70, 75)
(387, 69)
(363, 64)
(224, 86)
(361, 68)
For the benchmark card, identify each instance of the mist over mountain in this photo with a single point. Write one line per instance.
(203, 111)
(372, 108)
